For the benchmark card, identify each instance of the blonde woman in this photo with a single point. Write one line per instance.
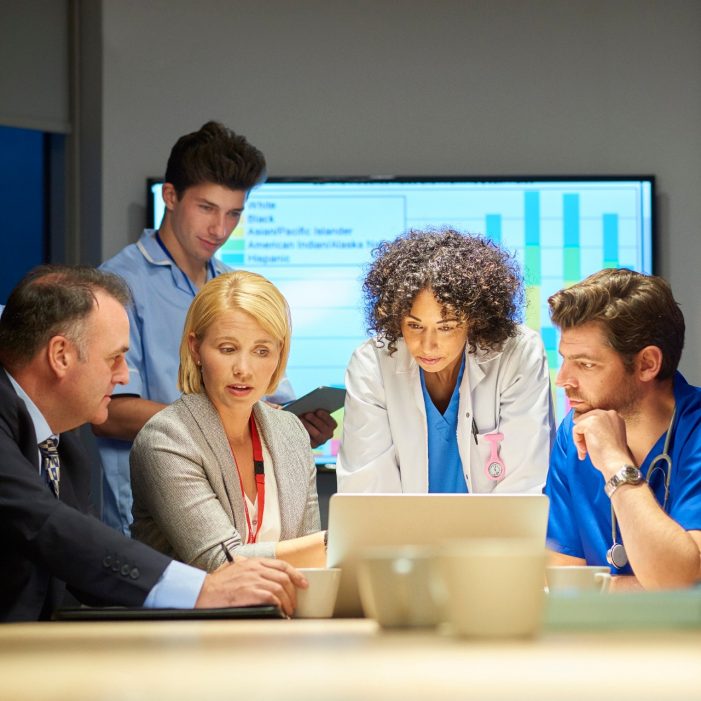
(219, 473)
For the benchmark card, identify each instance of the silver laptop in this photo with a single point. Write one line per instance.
(359, 521)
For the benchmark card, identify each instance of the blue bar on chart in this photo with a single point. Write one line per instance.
(610, 224)
(532, 266)
(531, 204)
(493, 227)
(571, 263)
(549, 335)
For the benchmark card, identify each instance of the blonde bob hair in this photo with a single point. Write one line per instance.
(235, 291)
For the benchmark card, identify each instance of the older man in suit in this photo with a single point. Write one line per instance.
(63, 337)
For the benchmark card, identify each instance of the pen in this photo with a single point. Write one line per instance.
(474, 430)
(228, 555)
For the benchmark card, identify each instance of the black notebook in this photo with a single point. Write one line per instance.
(122, 613)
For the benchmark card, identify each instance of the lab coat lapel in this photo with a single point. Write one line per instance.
(471, 377)
(416, 439)
(473, 369)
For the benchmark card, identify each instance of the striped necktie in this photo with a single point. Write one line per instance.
(49, 462)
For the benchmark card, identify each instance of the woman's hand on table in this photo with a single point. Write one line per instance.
(305, 551)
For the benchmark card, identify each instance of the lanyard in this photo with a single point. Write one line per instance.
(212, 271)
(259, 469)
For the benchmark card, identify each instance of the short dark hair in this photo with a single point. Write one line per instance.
(52, 300)
(468, 274)
(214, 154)
(635, 311)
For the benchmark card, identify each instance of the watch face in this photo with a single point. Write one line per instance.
(494, 470)
(630, 474)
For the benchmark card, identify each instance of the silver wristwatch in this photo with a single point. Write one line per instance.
(628, 474)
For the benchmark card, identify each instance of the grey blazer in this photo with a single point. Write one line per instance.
(187, 495)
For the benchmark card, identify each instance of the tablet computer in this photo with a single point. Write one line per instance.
(136, 613)
(329, 398)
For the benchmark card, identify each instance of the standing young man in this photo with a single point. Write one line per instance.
(614, 498)
(208, 177)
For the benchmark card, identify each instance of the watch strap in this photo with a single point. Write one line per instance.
(628, 474)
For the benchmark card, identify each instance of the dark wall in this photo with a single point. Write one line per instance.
(22, 205)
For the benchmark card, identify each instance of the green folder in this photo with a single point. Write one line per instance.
(623, 610)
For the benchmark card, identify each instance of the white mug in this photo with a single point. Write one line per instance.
(573, 578)
(493, 586)
(396, 587)
(319, 598)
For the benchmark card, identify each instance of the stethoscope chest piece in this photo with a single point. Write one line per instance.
(616, 556)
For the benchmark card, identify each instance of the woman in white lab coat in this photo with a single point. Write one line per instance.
(451, 394)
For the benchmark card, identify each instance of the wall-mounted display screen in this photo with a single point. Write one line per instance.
(313, 236)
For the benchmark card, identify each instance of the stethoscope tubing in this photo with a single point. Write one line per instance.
(616, 555)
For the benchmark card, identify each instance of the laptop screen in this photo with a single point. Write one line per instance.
(361, 521)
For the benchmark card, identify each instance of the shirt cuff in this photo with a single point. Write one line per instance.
(177, 588)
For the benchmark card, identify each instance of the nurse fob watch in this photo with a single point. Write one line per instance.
(494, 468)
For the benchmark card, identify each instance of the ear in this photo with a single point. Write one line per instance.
(61, 355)
(194, 344)
(170, 196)
(649, 363)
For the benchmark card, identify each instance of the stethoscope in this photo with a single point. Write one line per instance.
(616, 555)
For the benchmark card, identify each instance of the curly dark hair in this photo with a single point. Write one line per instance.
(469, 275)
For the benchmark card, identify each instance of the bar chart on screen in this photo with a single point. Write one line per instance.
(314, 237)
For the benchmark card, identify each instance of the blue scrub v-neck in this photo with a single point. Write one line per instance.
(445, 472)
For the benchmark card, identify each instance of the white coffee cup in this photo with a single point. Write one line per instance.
(493, 586)
(319, 598)
(578, 578)
(396, 587)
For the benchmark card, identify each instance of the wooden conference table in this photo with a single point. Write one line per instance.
(309, 660)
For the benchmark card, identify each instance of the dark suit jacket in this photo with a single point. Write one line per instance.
(48, 544)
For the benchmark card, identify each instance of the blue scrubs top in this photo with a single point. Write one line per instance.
(580, 512)
(445, 471)
(162, 295)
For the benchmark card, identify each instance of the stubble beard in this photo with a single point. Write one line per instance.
(625, 401)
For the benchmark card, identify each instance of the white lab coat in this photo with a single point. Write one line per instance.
(385, 438)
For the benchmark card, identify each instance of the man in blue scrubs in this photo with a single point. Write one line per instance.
(622, 338)
(208, 177)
